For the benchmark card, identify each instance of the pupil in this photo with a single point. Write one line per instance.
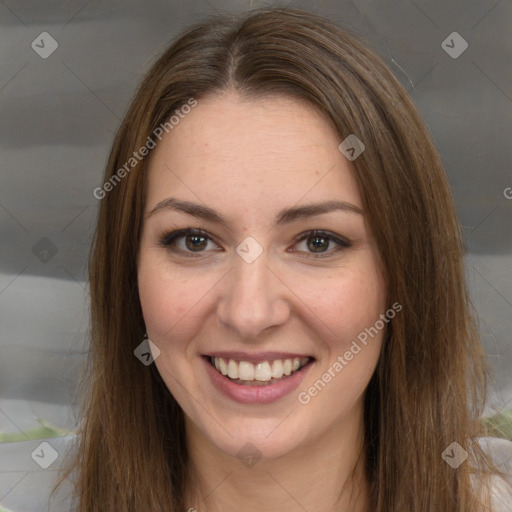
(318, 243)
(196, 242)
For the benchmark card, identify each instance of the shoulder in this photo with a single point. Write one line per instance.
(500, 487)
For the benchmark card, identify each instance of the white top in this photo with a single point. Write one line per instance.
(500, 451)
(25, 487)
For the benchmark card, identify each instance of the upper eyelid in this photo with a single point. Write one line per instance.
(321, 232)
(169, 239)
(184, 232)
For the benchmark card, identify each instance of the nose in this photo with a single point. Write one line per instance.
(253, 299)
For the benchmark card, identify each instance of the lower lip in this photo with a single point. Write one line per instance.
(247, 394)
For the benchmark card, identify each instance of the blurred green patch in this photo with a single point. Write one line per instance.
(499, 425)
(44, 431)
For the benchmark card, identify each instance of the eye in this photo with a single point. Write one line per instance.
(192, 242)
(320, 243)
(188, 240)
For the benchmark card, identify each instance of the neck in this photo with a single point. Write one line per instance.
(326, 475)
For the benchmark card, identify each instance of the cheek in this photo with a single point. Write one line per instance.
(165, 300)
(345, 305)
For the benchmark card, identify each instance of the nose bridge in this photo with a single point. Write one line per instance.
(252, 300)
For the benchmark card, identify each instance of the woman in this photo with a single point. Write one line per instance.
(276, 220)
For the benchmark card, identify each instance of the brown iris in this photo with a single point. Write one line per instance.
(319, 243)
(196, 242)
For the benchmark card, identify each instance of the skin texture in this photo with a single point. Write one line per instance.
(248, 160)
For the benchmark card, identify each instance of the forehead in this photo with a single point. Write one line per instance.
(273, 151)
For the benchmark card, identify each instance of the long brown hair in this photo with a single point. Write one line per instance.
(429, 386)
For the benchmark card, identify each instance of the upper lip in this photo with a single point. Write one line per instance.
(256, 357)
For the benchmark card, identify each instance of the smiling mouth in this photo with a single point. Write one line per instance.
(259, 374)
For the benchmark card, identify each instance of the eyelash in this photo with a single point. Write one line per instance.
(168, 241)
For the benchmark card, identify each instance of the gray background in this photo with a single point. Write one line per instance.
(58, 118)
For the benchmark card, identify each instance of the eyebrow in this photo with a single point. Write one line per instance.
(285, 216)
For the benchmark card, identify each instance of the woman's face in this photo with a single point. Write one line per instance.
(280, 270)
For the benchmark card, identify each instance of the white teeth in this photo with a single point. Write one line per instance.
(263, 372)
(277, 369)
(246, 371)
(232, 369)
(222, 364)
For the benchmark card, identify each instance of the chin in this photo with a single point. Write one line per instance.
(259, 438)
